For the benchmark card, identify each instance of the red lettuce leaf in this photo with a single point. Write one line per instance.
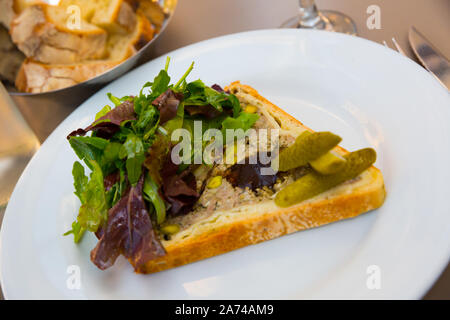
(206, 110)
(217, 87)
(109, 124)
(167, 104)
(180, 190)
(111, 179)
(129, 232)
(246, 175)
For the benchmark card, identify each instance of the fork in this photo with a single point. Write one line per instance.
(397, 47)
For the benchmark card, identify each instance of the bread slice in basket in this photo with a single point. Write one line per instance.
(115, 16)
(247, 222)
(36, 77)
(44, 33)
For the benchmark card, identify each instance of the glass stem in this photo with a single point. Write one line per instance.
(309, 16)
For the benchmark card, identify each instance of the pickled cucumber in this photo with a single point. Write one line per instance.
(314, 183)
(331, 162)
(307, 147)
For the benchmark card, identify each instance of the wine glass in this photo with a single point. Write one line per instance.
(17, 145)
(311, 18)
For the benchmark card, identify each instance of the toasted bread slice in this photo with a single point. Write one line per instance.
(36, 77)
(226, 230)
(44, 33)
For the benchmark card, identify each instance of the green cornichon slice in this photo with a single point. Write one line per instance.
(307, 147)
(314, 183)
(331, 162)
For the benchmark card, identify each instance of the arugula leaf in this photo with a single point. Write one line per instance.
(214, 98)
(195, 88)
(160, 84)
(148, 117)
(88, 148)
(93, 211)
(133, 150)
(77, 231)
(197, 93)
(151, 194)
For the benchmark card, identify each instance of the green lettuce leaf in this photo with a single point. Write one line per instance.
(133, 149)
(79, 180)
(93, 211)
(77, 231)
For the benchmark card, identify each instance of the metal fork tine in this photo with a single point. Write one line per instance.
(399, 49)
(397, 46)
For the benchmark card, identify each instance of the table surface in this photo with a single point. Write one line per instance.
(197, 20)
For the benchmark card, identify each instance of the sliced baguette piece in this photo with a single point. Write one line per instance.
(228, 230)
(115, 16)
(151, 10)
(9, 9)
(42, 32)
(121, 46)
(37, 77)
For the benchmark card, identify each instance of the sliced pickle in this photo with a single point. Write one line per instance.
(314, 183)
(331, 162)
(307, 147)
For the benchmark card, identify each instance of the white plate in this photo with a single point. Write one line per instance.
(368, 94)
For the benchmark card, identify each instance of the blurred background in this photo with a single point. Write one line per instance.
(196, 20)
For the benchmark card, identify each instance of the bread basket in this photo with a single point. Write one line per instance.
(44, 111)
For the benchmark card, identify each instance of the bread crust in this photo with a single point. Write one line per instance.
(36, 77)
(368, 194)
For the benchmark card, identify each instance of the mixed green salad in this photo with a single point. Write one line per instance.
(133, 184)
